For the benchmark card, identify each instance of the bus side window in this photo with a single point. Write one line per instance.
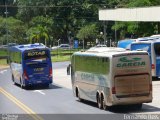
(107, 60)
(157, 49)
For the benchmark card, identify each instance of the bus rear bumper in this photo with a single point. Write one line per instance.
(37, 82)
(132, 100)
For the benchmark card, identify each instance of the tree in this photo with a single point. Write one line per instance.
(68, 15)
(88, 33)
(46, 23)
(64, 18)
(12, 11)
(138, 28)
(13, 29)
(38, 34)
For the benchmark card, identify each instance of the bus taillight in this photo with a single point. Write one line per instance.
(25, 75)
(50, 72)
(153, 66)
(113, 90)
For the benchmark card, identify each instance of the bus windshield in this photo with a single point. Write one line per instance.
(36, 55)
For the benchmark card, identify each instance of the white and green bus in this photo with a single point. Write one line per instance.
(112, 76)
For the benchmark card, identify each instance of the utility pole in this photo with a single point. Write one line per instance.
(6, 13)
(105, 33)
(115, 32)
(158, 28)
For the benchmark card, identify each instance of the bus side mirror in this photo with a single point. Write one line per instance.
(68, 69)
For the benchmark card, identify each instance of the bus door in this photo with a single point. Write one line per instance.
(37, 65)
(157, 56)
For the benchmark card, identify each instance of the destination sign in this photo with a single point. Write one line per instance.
(36, 53)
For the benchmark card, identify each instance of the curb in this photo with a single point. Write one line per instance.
(3, 68)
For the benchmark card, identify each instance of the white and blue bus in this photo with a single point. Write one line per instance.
(153, 48)
(30, 65)
(126, 44)
(149, 44)
(112, 76)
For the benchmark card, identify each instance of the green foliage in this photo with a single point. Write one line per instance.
(88, 32)
(14, 28)
(40, 20)
(139, 3)
(139, 28)
(3, 52)
(3, 62)
(51, 20)
(38, 34)
(61, 58)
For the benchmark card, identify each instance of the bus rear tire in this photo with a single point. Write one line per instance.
(104, 106)
(21, 84)
(99, 102)
(13, 79)
(46, 85)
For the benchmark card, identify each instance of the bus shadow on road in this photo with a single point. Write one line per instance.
(132, 109)
(41, 87)
(126, 108)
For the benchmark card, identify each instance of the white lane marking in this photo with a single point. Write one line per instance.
(40, 91)
(1, 72)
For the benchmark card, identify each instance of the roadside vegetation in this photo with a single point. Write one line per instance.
(3, 52)
(56, 22)
(48, 21)
(3, 62)
(56, 55)
(61, 58)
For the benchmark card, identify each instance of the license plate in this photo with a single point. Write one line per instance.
(39, 81)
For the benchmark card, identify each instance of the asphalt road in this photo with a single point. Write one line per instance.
(57, 100)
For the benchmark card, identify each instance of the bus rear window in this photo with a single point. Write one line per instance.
(36, 55)
(157, 48)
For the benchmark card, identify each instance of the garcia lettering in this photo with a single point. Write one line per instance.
(133, 64)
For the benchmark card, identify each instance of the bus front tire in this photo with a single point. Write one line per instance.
(104, 106)
(78, 95)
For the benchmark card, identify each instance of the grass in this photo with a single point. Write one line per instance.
(3, 62)
(3, 52)
(61, 58)
(63, 52)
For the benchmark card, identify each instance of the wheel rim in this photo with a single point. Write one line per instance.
(103, 104)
